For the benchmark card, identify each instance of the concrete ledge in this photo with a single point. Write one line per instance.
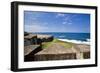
(46, 57)
(86, 55)
(84, 49)
(29, 52)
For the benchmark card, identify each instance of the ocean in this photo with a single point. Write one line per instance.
(69, 36)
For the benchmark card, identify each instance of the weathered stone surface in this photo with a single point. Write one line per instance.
(30, 36)
(29, 52)
(26, 33)
(30, 39)
(30, 48)
(86, 55)
(46, 57)
(55, 52)
(56, 48)
(84, 49)
(36, 39)
(32, 43)
(45, 38)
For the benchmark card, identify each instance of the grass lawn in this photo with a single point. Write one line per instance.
(65, 44)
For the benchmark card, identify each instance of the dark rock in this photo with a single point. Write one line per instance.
(26, 33)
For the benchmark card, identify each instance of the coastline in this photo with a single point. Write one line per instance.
(76, 41)
(46, 47)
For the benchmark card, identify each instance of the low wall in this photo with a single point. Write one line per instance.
(84, 49)
(46, 57)
(86, 55)
(30, 56)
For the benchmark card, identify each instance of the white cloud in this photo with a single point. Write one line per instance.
(68, 23)
(41, 28)
(64, 22)
(35, 28)
(67, 20)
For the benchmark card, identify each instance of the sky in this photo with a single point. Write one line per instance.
(56, 22)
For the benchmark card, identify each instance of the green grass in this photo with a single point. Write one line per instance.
(46, 44)
(65, 44)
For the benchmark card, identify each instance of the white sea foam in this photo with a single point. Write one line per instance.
(88, 40)
(76, 41)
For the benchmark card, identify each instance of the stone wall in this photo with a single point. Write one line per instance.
(36, 39)
(27, 42)
(86, 55)
(30, 56)
(25, 33)
(47, 39)
(48, 57)
(84, 49)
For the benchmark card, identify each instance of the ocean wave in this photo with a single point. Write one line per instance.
(88, 40)
(76, 41)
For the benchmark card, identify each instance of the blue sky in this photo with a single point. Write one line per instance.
(56, 22)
